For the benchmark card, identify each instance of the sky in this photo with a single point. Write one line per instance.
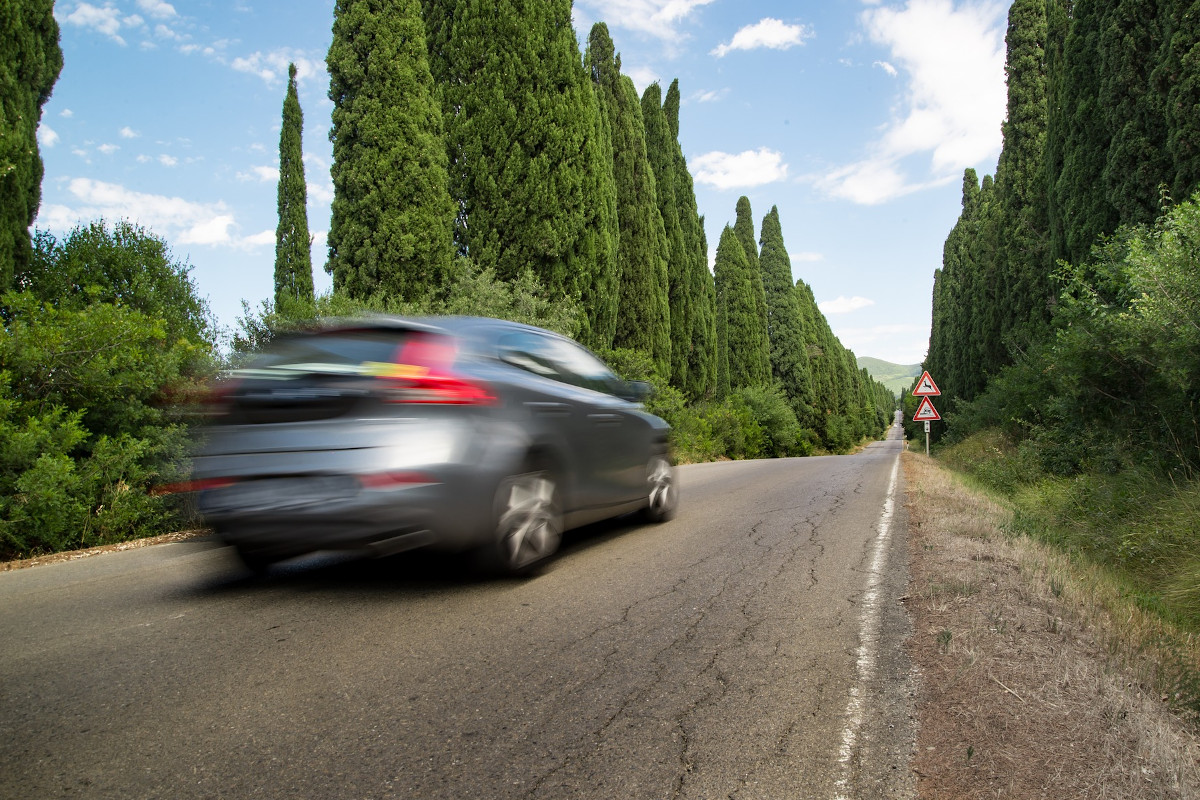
(855, 118)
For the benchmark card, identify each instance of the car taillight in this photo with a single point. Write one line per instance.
(422, 373)
(391, 480)
(192, 486)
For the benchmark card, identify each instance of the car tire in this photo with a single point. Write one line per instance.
(528, 523)
(662, 495)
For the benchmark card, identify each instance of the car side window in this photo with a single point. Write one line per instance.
(558, 359)
(531, 353)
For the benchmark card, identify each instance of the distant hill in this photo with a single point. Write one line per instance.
(896, 377)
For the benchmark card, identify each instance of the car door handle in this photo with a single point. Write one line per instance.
(543, 409)
(605, 419)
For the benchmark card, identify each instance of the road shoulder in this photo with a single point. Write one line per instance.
(1016, 694)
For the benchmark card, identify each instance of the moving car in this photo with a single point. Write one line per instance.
(463, 434)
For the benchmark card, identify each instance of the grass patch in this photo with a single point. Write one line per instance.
(1125, 544)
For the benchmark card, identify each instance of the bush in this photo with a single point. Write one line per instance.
(93, 351)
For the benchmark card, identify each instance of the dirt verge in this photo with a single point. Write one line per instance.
(73, 555)
(1017, 696)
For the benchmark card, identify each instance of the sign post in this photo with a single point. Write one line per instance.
(926, 413)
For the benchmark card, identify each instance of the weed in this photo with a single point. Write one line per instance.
(944, 638)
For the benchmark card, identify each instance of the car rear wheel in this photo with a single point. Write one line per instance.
(662, 494)
(528, 522)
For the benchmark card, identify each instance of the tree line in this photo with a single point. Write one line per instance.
(1102, 134)
(483, 165)
(1066, 314)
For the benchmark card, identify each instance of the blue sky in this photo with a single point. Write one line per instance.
(856, 118)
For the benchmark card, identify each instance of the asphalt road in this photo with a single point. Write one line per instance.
(751, 648)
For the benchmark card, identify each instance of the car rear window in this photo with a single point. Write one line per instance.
(341, 352)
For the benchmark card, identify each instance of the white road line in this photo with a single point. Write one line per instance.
(868, 649)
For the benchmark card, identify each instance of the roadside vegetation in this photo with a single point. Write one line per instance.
(569, 206)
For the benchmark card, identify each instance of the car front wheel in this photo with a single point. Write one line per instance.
(662, 494)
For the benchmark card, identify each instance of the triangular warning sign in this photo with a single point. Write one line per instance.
(926, 412)
(926, 387)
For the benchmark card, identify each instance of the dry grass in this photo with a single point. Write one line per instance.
(1031, 687)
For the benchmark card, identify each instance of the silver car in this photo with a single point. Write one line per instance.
(459, 433)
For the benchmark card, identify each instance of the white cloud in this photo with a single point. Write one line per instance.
(952, 60)
(66, 113)
(886, 67)
(128, 133)
(708, 96)
(144, 159)
(108, 149)
(657, 18)
(163, 32)
(845, 305)
(260, 174)
(133, 21)
(730, 171)
(168, 161)
(260, 239)
(157, 8)
(47, 136)
(771, 33)
(642, 77)
(173, 217)
(319, 193)
(273, 67)
(105, 21)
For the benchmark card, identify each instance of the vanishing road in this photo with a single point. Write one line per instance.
(751, 648)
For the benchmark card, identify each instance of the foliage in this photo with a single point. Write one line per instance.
(472, 292)
(390, 229)
(293, 245)
(95, 350)
(739, 326)
(642, 254)
(785, 323)
(701, 339)
(531, 174)
(30, 61)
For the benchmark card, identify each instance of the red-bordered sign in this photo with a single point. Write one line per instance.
(926, 412)
(926, 387)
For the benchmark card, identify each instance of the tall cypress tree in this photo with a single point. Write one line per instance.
(702, 333)
(1079, 194)
(390, 229)
(643, 321)
(528, 167)
(1130, 43)
(738, 313)
(1177, 77)
(785, 326)
(30, 61)
(744, 228)
(1025, 287)
(660, 149)
(293, 246)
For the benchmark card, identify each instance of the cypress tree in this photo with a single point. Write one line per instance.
(528, 167)
(1025, 287)
(702, 333)
(660, 149)
(738, 314)
(30, 61)
(390, 229)
(785, 327)
(293, 253)
(1178, 79)
(1080, 197)
(1130, 41)
(1058, 23)
(744, 228)
(643, 309)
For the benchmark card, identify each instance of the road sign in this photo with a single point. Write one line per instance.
(926, 411)
(926, 387)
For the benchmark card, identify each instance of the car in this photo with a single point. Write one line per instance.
(460, 434)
